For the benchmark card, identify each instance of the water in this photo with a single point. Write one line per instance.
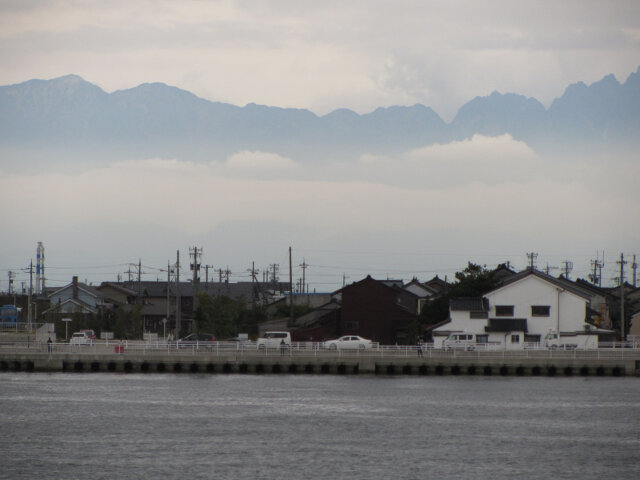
(114, 426)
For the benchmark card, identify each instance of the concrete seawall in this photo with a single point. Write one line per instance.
(569, 364)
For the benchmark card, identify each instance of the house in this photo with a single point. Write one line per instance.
(524, 308)
(158, 299)
(320, 324)
(422, 292)
(438, 285)
(116, 294)
(380, 310)
(599, 303)
(76, 297)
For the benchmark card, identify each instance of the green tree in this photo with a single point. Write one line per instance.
(473, 281)
(219, 315)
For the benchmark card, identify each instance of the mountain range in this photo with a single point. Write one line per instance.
(69, 118)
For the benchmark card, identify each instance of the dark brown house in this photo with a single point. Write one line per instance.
(380, 310)
(320, 324)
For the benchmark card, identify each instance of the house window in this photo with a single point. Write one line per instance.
(515, 338)
(540, 310)
(482, 338)
(504, 310)
(532, 338)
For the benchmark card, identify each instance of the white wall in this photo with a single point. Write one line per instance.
(567, 310)
(566, 313)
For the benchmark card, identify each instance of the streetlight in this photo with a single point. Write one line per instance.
(164, 328)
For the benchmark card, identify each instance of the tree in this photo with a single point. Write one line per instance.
(219, 314)
(473, 281)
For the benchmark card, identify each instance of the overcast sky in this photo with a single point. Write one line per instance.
(428, 211)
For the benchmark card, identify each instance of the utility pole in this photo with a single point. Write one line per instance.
(568, 266)
(290, 287)
(634, 267)
(196, 257)
(178, 299)
(29, 296)
(140, 283)
(304, 266)
(596, 276)
(274, 277)
(254, 284)
(12, 277)
(532, 259)
(622, 263)
(168, 293)
(206, 275)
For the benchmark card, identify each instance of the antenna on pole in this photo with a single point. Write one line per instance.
(531, 256)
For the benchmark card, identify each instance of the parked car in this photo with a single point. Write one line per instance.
(348, 342)
(274, 340)
(460, 341)
(240, 341)
(81, 338)
(196, 340)
(90, 333)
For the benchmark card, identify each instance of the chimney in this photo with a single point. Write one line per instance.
(75, 287)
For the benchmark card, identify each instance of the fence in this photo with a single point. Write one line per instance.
(313, 349)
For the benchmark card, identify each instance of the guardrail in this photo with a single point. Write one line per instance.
(128, 347)
(20, 327)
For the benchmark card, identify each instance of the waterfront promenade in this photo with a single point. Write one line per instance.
(310, 358)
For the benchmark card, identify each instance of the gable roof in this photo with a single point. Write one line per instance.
(73, 301)
(471, 304)
(438, 284)
(81, 286)
(544, 277)
(313, 316)
(415, 284)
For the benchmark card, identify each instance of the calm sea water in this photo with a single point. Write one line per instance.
(114, 426)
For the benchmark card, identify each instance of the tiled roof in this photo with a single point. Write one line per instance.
(471, 304)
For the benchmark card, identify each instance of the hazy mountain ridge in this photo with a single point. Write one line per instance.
(69, 117)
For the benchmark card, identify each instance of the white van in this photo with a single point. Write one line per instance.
(460, 341)
(274, 340)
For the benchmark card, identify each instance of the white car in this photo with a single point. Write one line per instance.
(348, 342)
(81, 338)
(274, 340)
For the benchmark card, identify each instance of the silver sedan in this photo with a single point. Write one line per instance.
(348, 342)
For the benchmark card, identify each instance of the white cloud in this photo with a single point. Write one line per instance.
(451, 198)
(478, 149)
(259, 161)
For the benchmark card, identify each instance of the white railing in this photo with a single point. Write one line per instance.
(300, 349)
(19, 327)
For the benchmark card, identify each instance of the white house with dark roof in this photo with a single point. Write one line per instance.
(522, 310)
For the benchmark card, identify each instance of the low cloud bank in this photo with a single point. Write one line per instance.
(482, 188)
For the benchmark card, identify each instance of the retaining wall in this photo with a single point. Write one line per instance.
(158, 363)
